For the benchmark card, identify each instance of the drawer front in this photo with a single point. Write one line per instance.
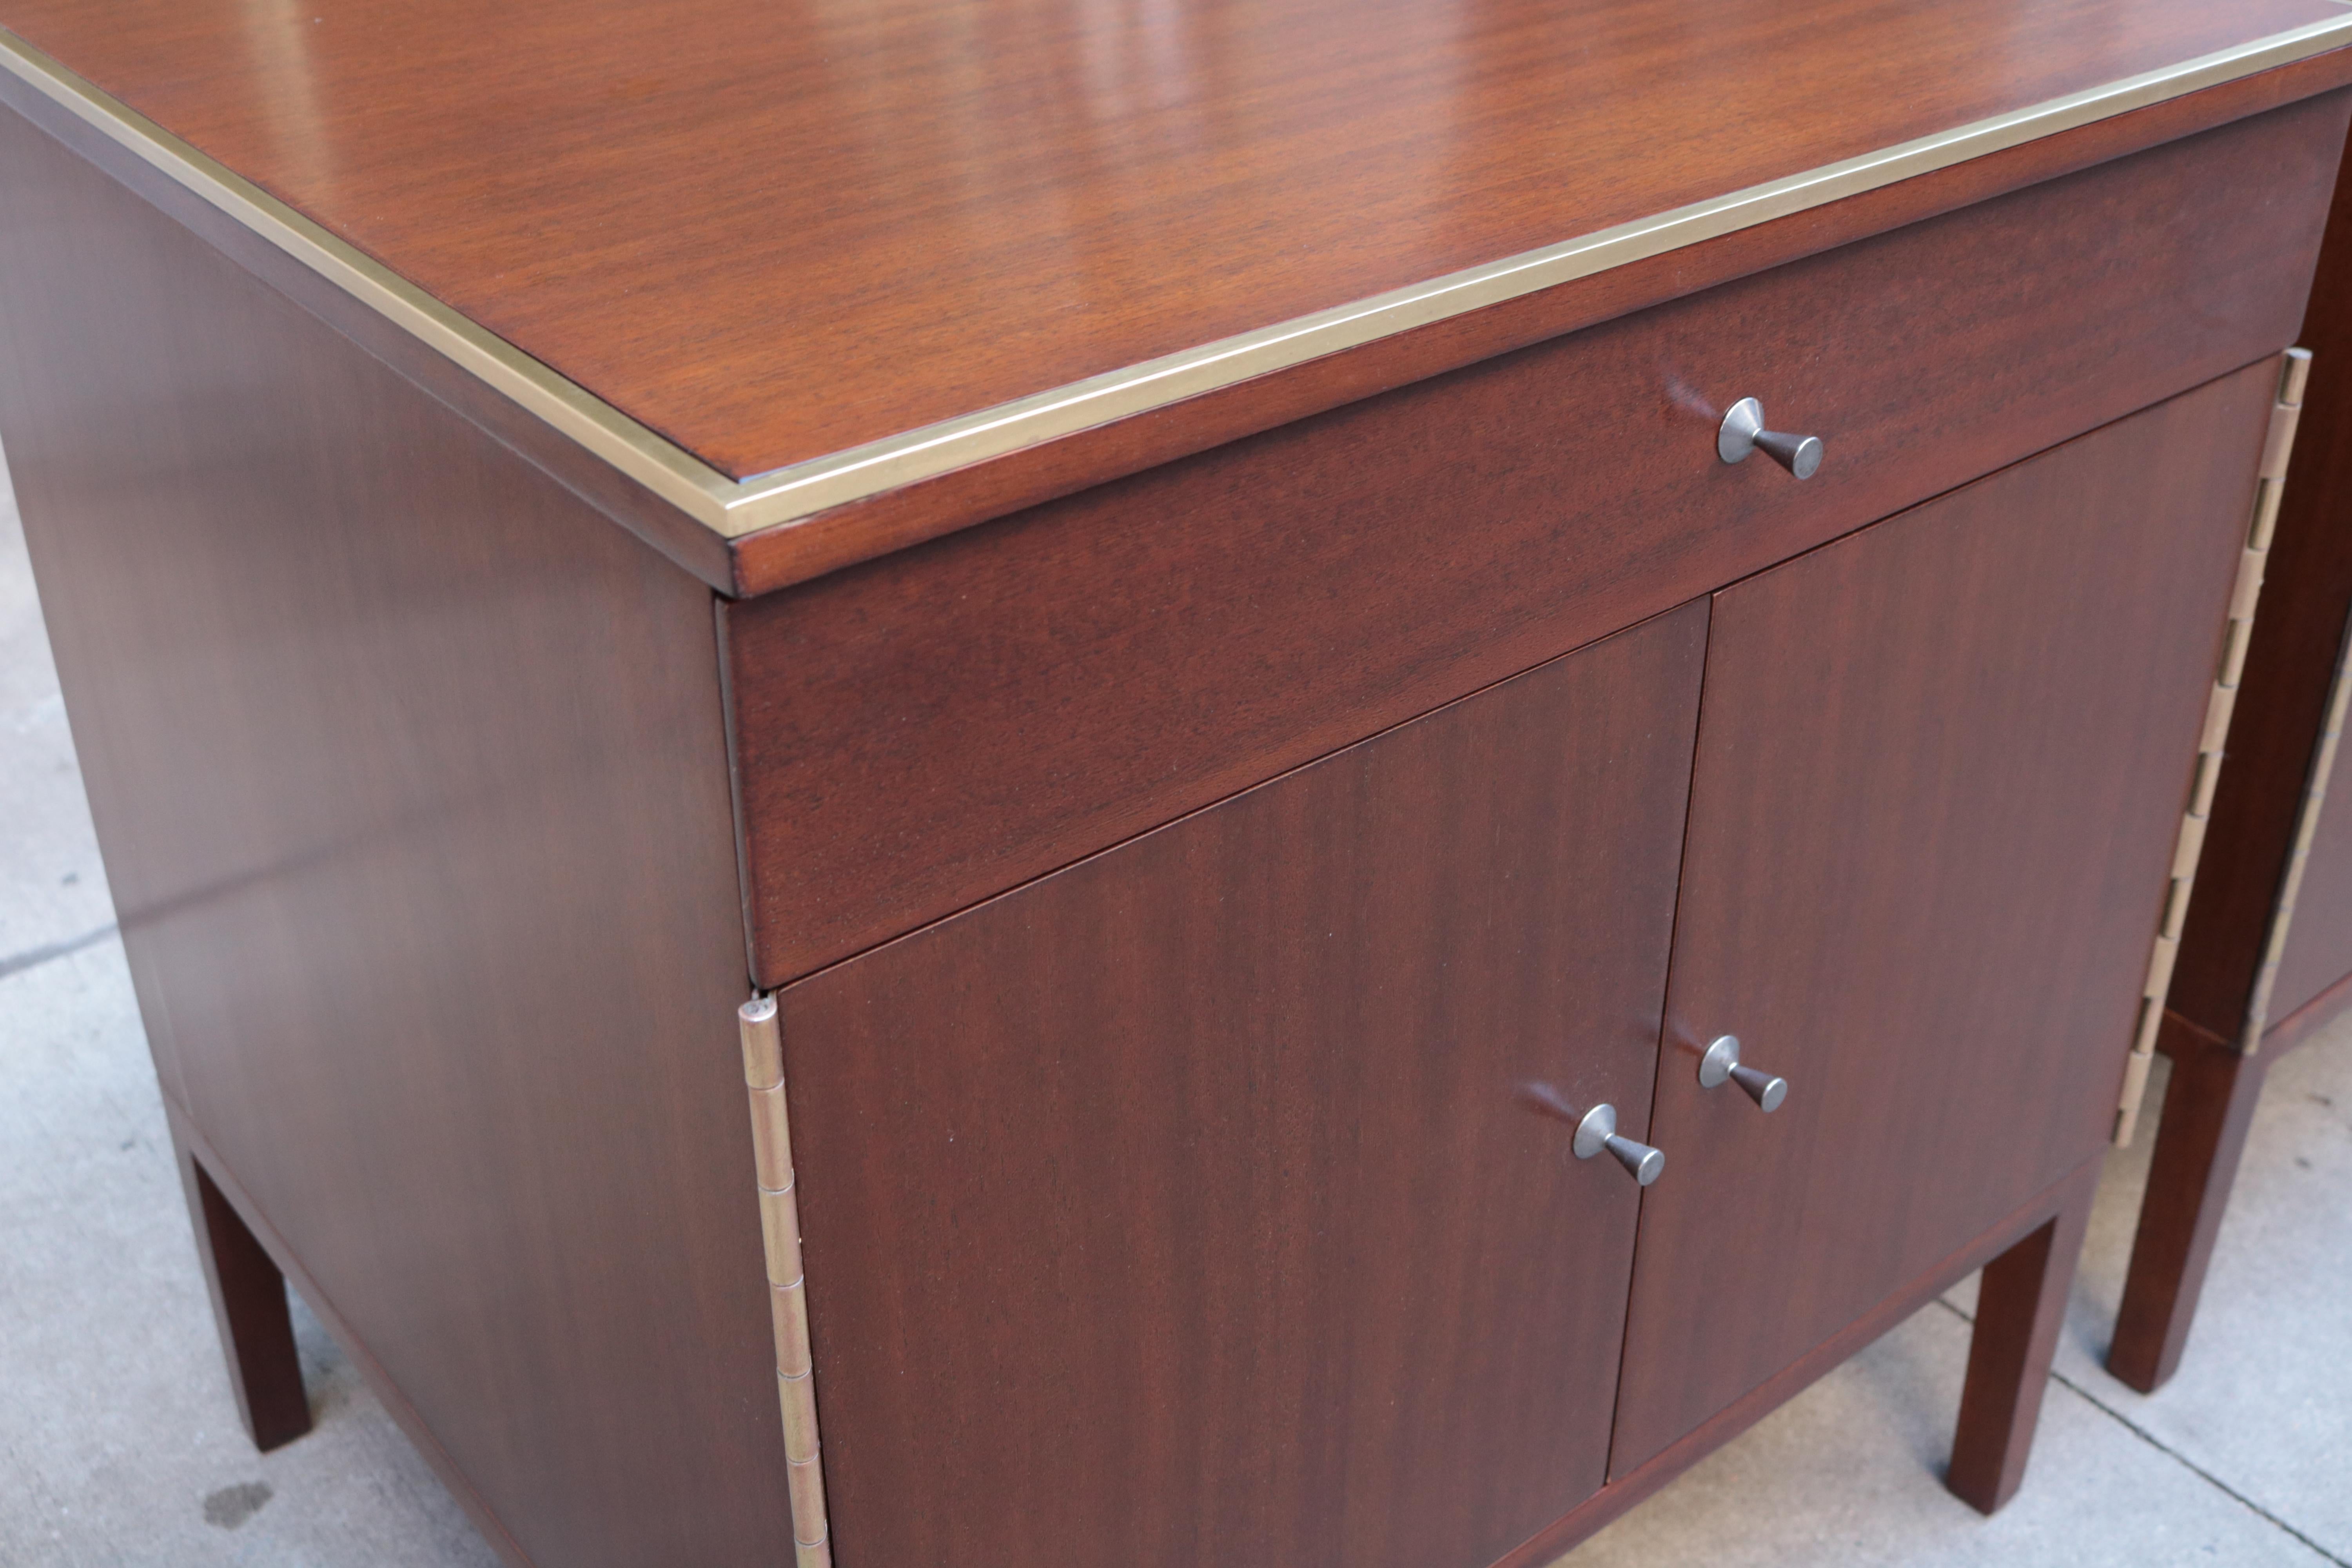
(920, 732)
(1941, 775)
(1215, 1200)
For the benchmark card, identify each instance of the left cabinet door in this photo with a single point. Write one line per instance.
(1196, 1202)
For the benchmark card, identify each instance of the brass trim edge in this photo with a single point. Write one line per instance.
(661, 466)
(2189, 846)
(779, 1230)
(733, 507)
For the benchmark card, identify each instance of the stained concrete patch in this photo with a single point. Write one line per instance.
(232, 1506)
(117, 1427)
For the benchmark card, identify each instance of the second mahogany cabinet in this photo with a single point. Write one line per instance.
(2266, 950)
(1221, 1187)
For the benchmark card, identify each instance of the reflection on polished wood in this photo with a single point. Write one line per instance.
(410, 773)
(1173, 889)
(1259, 1251)
(772, 232)
(918, 734)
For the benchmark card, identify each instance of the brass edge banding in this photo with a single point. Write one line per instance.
(2245, 597)
(733, 508)
(860, 471)
(763, 1078)
(661, 466)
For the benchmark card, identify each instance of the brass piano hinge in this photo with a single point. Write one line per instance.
(2276, 449)
(780, 1228)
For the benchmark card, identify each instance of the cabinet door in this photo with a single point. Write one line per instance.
(1188, 1206)
(1941, 767)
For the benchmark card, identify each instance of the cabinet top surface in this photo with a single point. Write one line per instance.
(869, 238)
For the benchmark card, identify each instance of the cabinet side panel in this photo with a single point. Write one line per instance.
(409, 774)
(1197, 1204)
(2319, 943)
(1941, 771)
(2283, 704)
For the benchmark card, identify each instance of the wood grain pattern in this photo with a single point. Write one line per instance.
(1192, 1204)
(409, 772)
(1929, 843)
(2020, 1308)
(690, 544)
(918, 734)
(778, 557)
(299, 1280)
(774, 235)
(1628, 1491)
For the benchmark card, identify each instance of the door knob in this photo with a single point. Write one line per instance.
(1722, 1061)
(1598, 1131)
(1743, 432)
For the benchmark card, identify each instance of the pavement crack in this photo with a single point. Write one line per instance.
(2193, 1467)
(2175, 1454)
(33, 957)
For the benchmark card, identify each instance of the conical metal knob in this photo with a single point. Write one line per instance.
(1743, 432)
(1722, 1063)
(1598, 1131)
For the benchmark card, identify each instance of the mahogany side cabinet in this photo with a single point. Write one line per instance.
(2266, 952)
(1404, 753)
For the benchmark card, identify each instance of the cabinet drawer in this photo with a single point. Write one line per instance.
(920, 732)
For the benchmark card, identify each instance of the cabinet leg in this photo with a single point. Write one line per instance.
(250, 1306)
(2208, 1107)
(2020, 1308)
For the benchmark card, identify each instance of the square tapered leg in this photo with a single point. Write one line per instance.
(2208, 1106)
(2020, 1308)
(248, 1295)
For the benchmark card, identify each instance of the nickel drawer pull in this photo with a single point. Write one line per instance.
(1743, 432)
(1598, 1131)
(1722, 1061)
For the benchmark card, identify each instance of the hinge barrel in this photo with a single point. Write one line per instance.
(2278, 448)
(780, 1229)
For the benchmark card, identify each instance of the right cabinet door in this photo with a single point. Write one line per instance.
(1941, 766)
